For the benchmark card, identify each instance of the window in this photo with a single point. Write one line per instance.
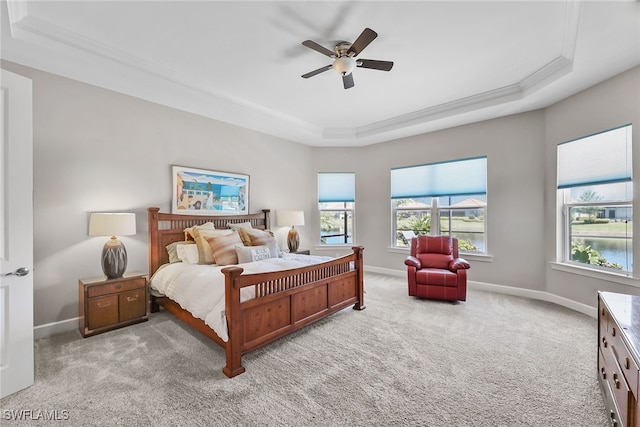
(441, 198)
(336, 203)
(595, 189)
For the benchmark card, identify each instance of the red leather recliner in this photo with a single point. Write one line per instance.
(434, 269)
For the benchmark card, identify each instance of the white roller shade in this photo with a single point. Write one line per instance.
(602, 158)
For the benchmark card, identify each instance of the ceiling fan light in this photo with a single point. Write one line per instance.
(344, 65)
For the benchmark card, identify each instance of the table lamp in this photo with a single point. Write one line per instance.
(114, 254)
(291, 218)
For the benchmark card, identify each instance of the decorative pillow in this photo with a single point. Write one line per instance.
(191, 230)
(256, 237)
(224, 248)
(252, 253)
(204, 250)
(235, 226)
(188, 253)
(172, 250)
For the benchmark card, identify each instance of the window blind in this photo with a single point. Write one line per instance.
(602, 158)
(458, 177)
(336, 187)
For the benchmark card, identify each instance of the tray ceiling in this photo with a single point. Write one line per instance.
(241, 62)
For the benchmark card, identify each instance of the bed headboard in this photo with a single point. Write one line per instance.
(166, 228)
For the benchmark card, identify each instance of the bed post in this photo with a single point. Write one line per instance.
(234, 322)
(152, 220)
(357, 250)
(152, 214)
(267, 218)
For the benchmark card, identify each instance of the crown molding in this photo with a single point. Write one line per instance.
(544, 76)
(16, 11)
(34, 29)
(231, 109)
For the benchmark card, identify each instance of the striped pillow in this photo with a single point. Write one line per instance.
(224, 248)
(204, 250)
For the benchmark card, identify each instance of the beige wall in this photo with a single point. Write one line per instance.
(610, 104)
(515, 188)
(521, 186)
(98, 150)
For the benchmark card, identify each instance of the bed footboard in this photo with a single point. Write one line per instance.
(286, 301)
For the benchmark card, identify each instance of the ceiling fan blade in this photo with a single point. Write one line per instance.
(375, 65)
(363, 40)
(347, 81)
(318, 48)
(318, 71)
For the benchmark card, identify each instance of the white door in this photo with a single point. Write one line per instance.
(16, 234)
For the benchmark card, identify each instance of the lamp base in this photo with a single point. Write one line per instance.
(114, 259)
(293, 240)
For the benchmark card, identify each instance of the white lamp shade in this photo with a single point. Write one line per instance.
(344, 65)
(290, 218)
(112, 224)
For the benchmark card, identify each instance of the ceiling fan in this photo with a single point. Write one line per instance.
(344, 54)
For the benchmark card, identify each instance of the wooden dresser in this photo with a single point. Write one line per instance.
(619, 356)
(106, 304)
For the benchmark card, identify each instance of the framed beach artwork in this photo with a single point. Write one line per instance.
(204, 192)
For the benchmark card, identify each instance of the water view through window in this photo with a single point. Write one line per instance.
(615, 251)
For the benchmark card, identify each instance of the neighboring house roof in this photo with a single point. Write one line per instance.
(470, 203)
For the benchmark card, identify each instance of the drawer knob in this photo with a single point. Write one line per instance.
(604, 342)
(616, 380)
(129, 299)
(604, 373)
(613, 331)
(104, 304)
(118, 286)
(627, 363)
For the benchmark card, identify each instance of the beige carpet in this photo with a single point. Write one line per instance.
(494, 360)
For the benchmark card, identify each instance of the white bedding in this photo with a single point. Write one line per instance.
(199, 289)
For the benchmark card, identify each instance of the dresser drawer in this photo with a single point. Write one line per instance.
(102, 311)
(620, 351)
(133, 304)
(622, 394)
(111, 288)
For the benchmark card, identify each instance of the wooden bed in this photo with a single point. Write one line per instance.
(285, 301)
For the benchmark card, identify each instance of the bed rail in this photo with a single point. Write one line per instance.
(286, 301)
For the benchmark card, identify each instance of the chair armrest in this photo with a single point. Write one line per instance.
(459, 264)
(412, 261)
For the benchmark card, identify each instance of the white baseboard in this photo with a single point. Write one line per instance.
(49, 329)
(539, 295)
(387, 271)
(42, 331)
(509, 290)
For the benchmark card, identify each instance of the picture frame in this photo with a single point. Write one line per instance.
(207, 192)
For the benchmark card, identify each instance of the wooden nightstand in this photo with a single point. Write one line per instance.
(106, 304)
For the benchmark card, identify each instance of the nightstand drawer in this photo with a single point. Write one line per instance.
(106, 304)
(112, 288)
(102, 311)
(133, 304)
